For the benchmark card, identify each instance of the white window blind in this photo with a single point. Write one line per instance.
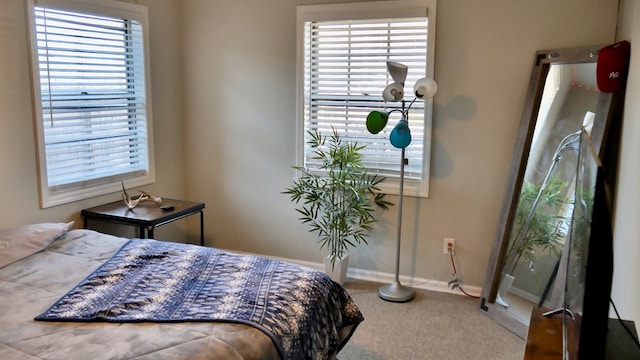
(92, 96)
(345, 73)
(344, 81)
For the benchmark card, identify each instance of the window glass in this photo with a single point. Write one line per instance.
(343, 75)
(92, 105)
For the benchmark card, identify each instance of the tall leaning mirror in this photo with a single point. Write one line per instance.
(562, 99)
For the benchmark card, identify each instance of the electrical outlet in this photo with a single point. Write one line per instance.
(448, 243)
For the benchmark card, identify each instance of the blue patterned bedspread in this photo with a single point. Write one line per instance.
(303, 311)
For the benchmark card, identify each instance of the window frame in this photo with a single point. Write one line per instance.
(363, 11)
(61, 194)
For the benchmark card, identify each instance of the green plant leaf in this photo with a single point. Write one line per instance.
(543, 229)
(340, 205)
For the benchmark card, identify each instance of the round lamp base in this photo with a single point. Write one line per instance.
(396, 292)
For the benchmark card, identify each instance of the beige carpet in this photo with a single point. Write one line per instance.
(432, 326)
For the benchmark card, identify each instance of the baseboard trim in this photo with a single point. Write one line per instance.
(525, 294)
(386, 278)
(413, 282)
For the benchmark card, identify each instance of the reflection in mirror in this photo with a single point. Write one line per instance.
(544, 207)
(535, 222)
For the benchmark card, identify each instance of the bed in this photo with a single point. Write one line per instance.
(91, 296)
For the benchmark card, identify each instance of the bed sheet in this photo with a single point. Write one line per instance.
(31, 285)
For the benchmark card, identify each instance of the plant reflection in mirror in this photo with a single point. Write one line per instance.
(543, 229)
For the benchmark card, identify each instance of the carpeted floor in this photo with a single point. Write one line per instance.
(432, 326)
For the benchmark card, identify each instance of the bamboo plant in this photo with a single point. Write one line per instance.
(544, 228)
(339, 200)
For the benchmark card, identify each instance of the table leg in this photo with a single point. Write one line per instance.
(201, 228)
(142, 234)
(150, 232)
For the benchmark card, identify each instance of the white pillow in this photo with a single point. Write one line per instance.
(23, 241)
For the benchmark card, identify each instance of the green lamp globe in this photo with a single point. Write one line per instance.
(376, 121)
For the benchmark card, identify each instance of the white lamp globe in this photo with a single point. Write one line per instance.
(393, 92)
(425, 88)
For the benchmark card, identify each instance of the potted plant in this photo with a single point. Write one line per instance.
(540, 228)
(339, 201)
(539, 224)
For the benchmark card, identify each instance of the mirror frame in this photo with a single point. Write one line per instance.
(605, 108)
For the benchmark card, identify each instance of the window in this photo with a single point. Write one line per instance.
(91, 96)
(343, 50)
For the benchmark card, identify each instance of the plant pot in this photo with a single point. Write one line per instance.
(505, 286)
(338, 272)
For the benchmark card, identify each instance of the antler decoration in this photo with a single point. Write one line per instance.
(133, 202)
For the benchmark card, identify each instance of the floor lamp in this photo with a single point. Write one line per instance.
(400, 137)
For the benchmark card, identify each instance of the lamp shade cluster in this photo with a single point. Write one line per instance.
(400, 137)
(424, 88)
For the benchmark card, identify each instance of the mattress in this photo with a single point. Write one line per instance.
(32, 284)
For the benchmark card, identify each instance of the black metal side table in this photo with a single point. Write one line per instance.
(147, 215)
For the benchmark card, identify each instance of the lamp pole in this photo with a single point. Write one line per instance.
(400, 137)
(395, 291)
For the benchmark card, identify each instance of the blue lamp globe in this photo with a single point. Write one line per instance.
(400, 136)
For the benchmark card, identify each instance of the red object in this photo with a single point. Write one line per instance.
(612, 67)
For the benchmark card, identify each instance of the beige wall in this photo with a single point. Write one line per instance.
(18, 174)
(626, 280)
(224, 78)
(240, 76)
